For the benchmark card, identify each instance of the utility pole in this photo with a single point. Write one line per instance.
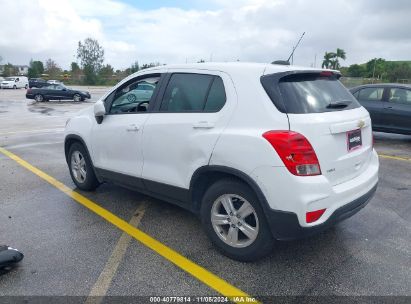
(373, 71)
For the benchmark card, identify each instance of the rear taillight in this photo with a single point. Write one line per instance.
(295, 151)
(313, 216)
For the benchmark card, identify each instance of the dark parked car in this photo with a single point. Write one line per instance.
(56, 92)
(389, 106)
(37, 83)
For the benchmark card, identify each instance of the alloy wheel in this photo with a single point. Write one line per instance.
(234, 220)
(78, 166)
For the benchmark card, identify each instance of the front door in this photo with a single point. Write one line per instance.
(116, 142)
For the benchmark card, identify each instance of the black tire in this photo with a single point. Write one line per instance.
(15, 87)
(26, 86)
(90, 183)
(39, 98)
(76, 97)
(263, 243)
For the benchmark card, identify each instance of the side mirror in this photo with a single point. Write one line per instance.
(64, 89)
(99, 111)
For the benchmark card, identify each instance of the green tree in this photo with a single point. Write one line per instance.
(9, 70)
(36, 68)
(331, 59)
(328, 60)
(106, 73)
(149, 65)
(396, 71)
(134, 67)
(339, 54)
(356, 70)
(91, 56)
(376, 68)
(74, 67)
(52, 69)
(75, 71)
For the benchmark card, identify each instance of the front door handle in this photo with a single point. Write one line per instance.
(132, 128)
(203, 125)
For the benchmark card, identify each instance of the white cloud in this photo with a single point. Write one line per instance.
(249, 30)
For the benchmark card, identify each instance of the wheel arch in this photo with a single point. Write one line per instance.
(73, 138)
(207, 175)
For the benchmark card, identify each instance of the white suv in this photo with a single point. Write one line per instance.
(258, 151)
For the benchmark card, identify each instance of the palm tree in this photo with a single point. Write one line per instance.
(339, 54)
(328, 60)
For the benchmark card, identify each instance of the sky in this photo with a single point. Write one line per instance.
(177, 31)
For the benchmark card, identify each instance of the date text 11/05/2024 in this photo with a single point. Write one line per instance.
(202, 299)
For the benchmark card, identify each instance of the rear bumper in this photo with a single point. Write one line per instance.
(285, 225)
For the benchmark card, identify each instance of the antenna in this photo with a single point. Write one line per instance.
(294, 48)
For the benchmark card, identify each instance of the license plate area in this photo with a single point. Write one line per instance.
(354, 140)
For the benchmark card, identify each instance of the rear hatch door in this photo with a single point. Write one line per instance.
(319, 107)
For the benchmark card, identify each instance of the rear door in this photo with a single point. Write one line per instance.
(325, 112)
(397, 109)
(179, 137)
(48, 92)
(372, 98)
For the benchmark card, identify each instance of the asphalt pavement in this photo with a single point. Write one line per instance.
(72, 251)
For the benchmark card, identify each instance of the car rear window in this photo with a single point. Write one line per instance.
(314, 93)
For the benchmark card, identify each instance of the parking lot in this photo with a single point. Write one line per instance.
(72, 250)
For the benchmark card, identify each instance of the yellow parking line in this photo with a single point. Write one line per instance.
(101, 286)
(394, 157)
(221, 286)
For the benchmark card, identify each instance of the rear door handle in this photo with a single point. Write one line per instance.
(132, 128)
(203, 125)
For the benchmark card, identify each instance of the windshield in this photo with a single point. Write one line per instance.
(10, 78)
(312, 93)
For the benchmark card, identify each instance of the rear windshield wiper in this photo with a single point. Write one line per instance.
(339, 104)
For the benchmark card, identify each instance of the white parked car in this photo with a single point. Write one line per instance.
(258, 151)
(15, 82)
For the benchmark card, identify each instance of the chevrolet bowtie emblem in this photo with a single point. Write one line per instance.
(361, 124)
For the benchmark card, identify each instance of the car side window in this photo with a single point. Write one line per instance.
(398, 95)
(370, 94)
(216, 97)
(131, 97)
(356, 94)
(186, 92)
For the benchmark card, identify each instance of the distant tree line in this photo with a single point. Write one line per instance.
(377, 68)
(90, 69)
